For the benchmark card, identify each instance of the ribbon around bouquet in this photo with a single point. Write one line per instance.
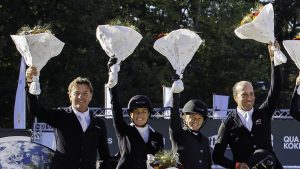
(118, 42)
(261, 29)
(293, 49)
(37, 50)
(178, 47)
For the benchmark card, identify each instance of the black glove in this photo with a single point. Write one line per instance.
(175, 77)
(111, 61)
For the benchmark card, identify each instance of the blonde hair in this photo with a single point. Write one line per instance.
(81, 80)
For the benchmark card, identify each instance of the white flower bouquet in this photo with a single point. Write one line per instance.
(179, 47)
(37, 46)
(293, 49)
(259, 26)
(118, 42)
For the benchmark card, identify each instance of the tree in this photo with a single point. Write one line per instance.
(221, 60)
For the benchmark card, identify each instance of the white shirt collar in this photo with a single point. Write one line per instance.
(246, 117)
(243, 112)
(81, 114)
(144, 131)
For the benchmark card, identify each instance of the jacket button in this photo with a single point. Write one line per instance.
(201, 151)
(200, 161)
(254, 146)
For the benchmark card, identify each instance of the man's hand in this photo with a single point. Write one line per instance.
(298, 79)
(30, 72)
(272, 47)
(241, 166)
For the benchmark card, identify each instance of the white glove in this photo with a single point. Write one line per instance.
(150, 159)
(35, 86)
(279, 57)
(113, 76)
(177, 86)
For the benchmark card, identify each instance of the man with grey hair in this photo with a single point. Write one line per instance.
(248, 129)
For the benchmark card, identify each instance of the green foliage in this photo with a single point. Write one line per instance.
(121, 22)
(165, 159)
(26, 30)
(221, 60)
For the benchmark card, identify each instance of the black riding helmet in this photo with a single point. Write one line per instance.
(261, 159)
(195, 106)
(140, 101)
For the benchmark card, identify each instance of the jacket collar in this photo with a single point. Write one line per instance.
(237, 120)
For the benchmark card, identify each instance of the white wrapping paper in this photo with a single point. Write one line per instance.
(178, 47)
(118, 42)
(293, 49)
(37, 49)
(261, 29)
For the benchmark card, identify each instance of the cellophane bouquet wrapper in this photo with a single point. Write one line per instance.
(37, 50)
(293, 49)
(261, 29)
(118, 42)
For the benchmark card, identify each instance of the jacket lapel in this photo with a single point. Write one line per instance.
(74, 118)
(256, 119)
(92, 120)
(238, 121)
(151, 135)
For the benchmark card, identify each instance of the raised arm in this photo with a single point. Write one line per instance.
(119, 122)
(273, 95)
(175, 123)
(53, 117)
(175, 129)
